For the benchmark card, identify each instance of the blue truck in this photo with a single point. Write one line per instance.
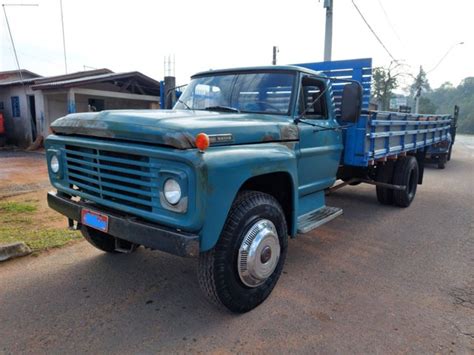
(241, 163)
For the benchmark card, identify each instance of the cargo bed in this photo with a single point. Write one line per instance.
(378, 135)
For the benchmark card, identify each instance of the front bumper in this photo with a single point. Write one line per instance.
(130, 229)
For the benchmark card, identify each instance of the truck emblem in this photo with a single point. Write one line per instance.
(221, 138)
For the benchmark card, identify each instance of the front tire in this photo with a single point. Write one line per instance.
(242, 269)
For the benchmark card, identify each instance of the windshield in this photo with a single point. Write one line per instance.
(240, 92)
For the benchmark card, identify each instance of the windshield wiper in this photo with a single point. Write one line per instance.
(185, 104)
(222, 108)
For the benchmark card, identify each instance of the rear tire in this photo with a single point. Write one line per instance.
(104, 241)
(406, 173)
(442, 161)
(256, 220)
(385, 175)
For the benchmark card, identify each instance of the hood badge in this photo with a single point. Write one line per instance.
(221, 138)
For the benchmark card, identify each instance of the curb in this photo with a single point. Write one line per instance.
(14, 250)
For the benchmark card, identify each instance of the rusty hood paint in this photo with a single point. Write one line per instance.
(177, 128)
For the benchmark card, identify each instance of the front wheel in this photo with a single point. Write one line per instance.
(244, 266)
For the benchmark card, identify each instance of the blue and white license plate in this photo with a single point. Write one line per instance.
(95, 220)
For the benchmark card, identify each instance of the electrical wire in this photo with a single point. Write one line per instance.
(373, 32)
(388, 20)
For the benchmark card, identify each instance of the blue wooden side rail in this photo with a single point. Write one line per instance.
(377, 134)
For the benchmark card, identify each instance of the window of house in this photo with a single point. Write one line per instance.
(96, 105)
(2, 106)
(15, 106)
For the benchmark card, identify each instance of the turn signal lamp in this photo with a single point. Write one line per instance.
(202, 141)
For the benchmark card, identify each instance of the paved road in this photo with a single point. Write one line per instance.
(376, 280)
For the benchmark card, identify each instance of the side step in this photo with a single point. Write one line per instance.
(317, 218)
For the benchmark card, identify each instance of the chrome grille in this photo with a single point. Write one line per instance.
(122, 178)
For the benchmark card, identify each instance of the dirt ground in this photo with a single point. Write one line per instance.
(21, 172)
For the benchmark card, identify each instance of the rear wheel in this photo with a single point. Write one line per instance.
(384, 174)
(449, 152)
(406, 173)
(442, 161)
(106, 242)
(244, 266)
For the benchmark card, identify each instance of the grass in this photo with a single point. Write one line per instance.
(23, 221)
(17, 207)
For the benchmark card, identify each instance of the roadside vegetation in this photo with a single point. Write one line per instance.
(440, 100)
(25, 218)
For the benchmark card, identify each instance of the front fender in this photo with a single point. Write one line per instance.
(226, 169)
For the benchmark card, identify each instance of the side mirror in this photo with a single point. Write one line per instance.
(351, 102)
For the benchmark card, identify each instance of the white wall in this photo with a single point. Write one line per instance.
(55, 107)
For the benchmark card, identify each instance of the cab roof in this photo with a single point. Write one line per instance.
(265, 68)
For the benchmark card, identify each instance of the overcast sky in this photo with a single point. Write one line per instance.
(204, 34)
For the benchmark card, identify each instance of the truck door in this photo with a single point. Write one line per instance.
(320, 144)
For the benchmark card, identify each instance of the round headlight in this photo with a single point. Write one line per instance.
(54, 164)
(172, 191)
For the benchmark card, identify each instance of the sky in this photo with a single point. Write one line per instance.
(137, 35)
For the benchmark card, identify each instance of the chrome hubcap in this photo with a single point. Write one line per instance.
(259, 253)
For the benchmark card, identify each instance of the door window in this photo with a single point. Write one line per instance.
(312, 100)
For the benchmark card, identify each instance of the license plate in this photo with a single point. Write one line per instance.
(95, 220)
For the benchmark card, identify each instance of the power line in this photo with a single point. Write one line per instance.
(444, 56)
(13, 42)
(388, 20)
(373, 32)
(13, 45)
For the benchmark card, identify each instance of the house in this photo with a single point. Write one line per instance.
(30, 102)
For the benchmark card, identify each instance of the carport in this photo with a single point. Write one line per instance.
(93, 91)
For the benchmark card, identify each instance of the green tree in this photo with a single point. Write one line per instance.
(447, 95)
(426, 105)
(420, 81)
(384, 81)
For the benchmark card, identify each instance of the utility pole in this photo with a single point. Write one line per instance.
(417, 100)
(275, 51)
(328, 4)
(64, 37)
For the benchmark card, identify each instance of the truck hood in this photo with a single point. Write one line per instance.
(178, 128)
